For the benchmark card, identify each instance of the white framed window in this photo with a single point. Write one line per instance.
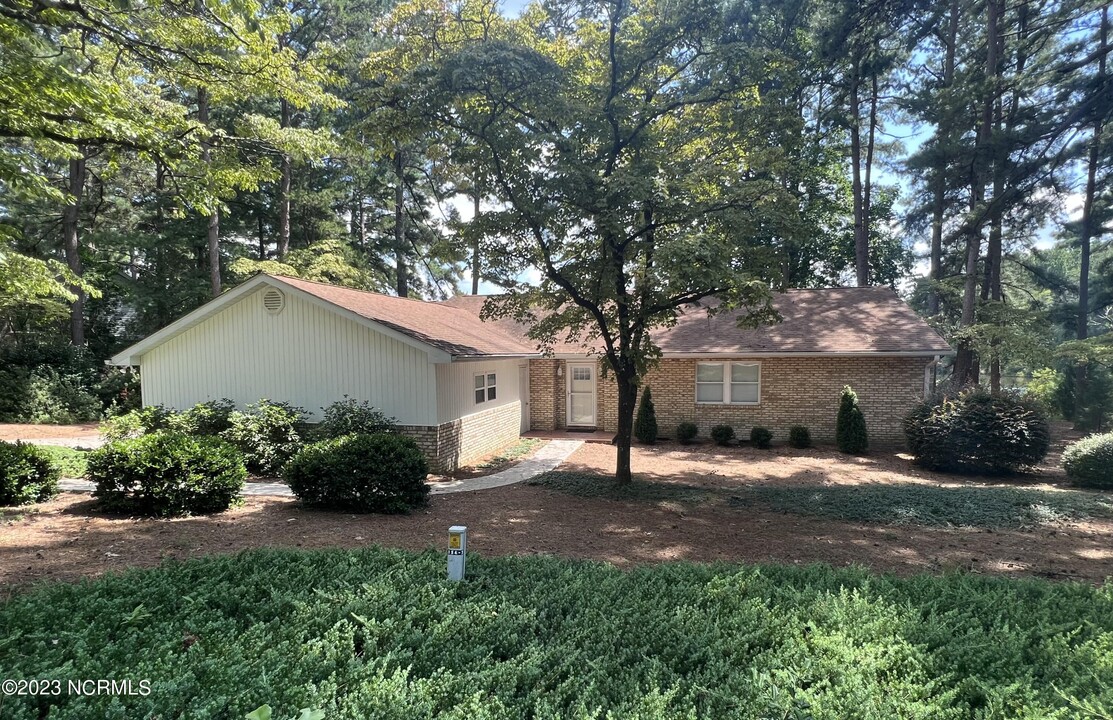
(484, 387)
(728, 383)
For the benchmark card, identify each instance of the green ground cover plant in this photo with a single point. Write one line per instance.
(378, 633)
(69, 461)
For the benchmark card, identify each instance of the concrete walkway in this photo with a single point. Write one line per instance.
(544, 460)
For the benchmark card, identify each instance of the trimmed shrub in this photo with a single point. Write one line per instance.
(166, 474)
(799, 437)
(686, 432)
(761, 438)
(27, 474)
(645, 423)
(360, 473)
(268, 435)
(137, 422)
(722, 434)
(349, 416)
(1089, 462)
(211, 417)
(977, 432)
(850, 424)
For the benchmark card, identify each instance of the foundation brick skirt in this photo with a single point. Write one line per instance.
(455, 444)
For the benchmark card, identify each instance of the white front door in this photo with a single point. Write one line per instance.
(523, 397)
(581, 394)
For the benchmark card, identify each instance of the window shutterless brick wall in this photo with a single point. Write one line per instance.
(455, 444)
(794, 391)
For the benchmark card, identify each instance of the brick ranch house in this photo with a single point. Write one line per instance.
(465, 388)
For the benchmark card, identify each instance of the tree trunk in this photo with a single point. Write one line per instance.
(861, 239)
(939, 193)
(284, 191)
(627, 400)
(402, 282)
(214, 215)
(71, 245)
(1086, 229)
(475, 264)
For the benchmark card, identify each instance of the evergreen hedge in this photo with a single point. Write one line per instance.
(645, 423)
(850, 424)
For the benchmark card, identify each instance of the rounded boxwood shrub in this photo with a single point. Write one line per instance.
(268, 435)
(360, 473)
(977, 432)
(799, 437)
(645, 424)
(1089, 462)
(165, 474)
(761, 438)
(686, 432)
(850, 424)
(722, 434)
(27, 474)
(348, 416)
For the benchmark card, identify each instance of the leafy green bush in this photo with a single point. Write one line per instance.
(211, 417)
(55, 382)
(686, 432)
(761, 438)
(137, 422)
(268, 435)
(645, 424)
(27, 474)
(348, 416)
(379, 633)
(57, 397)
(166, 474)
(361, 473)
(850, 424)
(1089, 462)
(799, 437)
(977, 432)
(722, 434)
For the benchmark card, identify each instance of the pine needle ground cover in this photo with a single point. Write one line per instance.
(380, 634)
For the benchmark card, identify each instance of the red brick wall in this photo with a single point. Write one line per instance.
(794, 391)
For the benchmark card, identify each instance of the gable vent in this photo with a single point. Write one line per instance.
(274, 301)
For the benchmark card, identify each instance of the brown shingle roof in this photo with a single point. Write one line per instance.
(837, 321)
(454, 330)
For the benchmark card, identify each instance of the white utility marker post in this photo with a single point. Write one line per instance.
(457, 551)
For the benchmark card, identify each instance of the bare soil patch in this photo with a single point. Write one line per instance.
(67, 538)
(29, 433)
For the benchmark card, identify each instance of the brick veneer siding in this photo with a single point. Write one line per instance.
(457, 443)
(794, 391)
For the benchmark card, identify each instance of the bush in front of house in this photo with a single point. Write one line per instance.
(686, 432)
(268, 434)
(167, 474)
(799, 437)
(382, 473)
(977, 431)
(645, 424)
(27, 474)
(137, 422)
(850, 424)
(350, 416)
(211, 417)
(761, 438)
(1089, 462)
(722, 434)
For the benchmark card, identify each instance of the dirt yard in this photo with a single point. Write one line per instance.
(31, 433)
(68, 539)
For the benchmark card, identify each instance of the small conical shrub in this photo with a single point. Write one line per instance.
(645, 424)
(850, 425)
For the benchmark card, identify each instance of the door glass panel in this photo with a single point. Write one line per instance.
(581, 412)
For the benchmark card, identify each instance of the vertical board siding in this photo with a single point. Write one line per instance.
(305, 355)
(456, 389)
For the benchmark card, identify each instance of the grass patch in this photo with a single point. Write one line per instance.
(381, 634)
(592, 485)
(517, 451)
(69, 460)
(982, 507)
